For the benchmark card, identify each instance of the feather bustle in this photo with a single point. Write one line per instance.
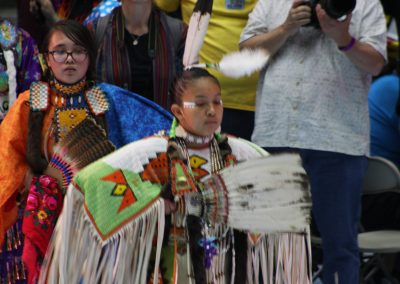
(263, 195)
(84, 144)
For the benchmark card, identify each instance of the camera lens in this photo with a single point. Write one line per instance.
(338, 8)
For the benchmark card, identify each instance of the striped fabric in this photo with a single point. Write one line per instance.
(114, 64)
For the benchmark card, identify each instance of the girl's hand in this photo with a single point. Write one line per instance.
(169, 206)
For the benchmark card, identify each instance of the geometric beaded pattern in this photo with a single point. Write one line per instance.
(64, 167)
(97, 100)
(39, 96)
(67, 119)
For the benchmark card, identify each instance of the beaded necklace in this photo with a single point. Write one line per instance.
(70, 106)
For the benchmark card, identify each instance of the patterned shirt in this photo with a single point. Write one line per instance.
(311, 96)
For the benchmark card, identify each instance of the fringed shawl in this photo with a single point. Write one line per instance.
(166, 41)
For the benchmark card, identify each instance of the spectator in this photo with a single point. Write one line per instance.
(384, 108)
(140, 49)
(382, 212)
(313, 99)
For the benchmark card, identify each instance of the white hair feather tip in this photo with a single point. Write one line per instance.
(243, 63)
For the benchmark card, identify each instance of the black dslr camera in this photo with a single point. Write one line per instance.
(335, 9)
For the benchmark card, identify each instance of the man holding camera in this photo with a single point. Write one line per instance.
(312, 98)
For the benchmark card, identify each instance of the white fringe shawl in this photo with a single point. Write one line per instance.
(282, 258)
(77, 254)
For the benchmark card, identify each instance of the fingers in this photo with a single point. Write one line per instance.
(300, 13)
(301, 3)
(330, 26)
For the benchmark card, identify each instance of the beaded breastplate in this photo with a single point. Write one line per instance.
(72, 103)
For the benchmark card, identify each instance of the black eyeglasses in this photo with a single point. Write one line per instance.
(61, 56)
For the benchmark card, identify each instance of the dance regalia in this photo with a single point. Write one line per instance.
(19, 64)
(113, 219)
(19, 67)
(43, 116)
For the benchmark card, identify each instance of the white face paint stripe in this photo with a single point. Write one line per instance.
(193, 104)
(189, 104)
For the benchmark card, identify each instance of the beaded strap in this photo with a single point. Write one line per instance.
(39, 96)
(97, 100)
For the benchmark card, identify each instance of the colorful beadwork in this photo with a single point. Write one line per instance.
(210, 250)
(67, 119)
(97, 100)
(39, 96)
(66, 172)
(70, 89)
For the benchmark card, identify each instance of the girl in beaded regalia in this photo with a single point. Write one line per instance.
(128, 203)
(43, 116)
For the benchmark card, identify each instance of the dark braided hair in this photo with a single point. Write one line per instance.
(187, 77)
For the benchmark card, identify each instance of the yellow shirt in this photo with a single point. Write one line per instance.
(225, 27)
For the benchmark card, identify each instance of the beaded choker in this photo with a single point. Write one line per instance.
(70, 89)
(191, 138)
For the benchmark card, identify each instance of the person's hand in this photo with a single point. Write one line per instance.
(299, 15)
(170, 206)
(337, 30)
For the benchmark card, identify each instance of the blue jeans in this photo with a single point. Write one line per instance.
(336, 187)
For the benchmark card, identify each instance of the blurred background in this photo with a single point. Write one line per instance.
(8, 9)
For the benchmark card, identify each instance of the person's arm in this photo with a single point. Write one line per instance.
(363, 55)
(273, 40)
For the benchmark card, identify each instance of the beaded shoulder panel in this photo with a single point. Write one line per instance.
(96, 100)
(39, 96)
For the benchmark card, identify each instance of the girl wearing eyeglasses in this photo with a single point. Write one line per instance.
(42, 117)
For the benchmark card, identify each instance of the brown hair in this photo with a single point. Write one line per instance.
(81, 36)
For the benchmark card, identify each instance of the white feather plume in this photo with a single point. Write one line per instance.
(243, 63)
(239, 63)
